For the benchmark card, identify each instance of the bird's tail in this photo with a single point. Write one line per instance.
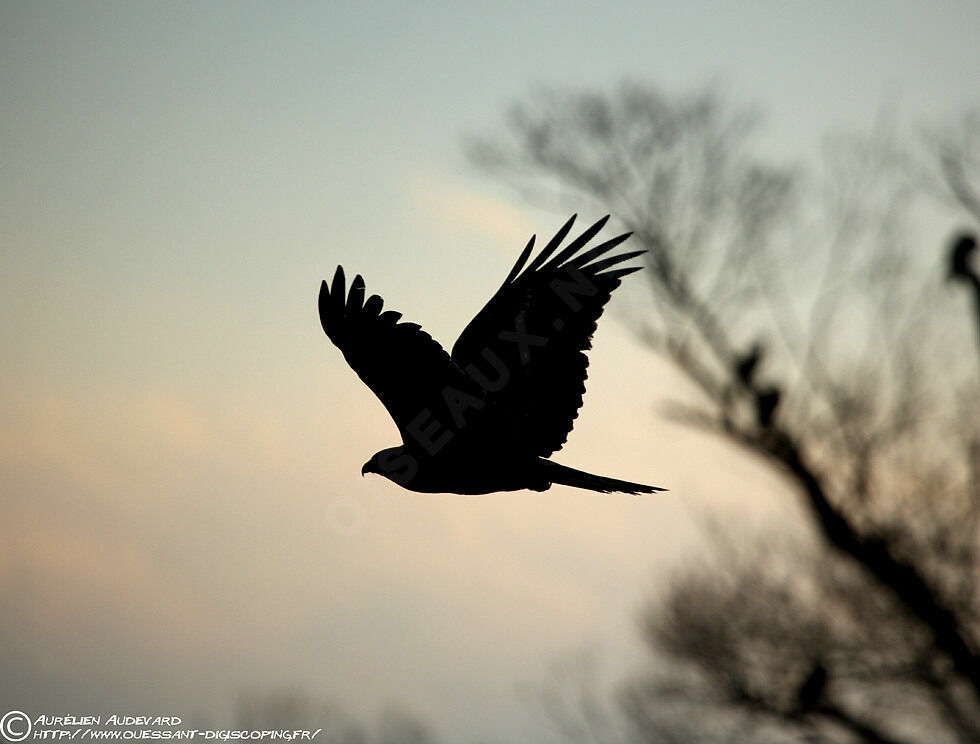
(579, 479)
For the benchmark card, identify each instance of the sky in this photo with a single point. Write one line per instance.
(183, 515)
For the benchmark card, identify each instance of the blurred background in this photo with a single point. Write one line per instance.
(185, 530)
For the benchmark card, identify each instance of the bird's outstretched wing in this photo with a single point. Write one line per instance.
(526, 346)
(402, 364)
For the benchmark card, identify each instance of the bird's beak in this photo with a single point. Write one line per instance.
(364, 468)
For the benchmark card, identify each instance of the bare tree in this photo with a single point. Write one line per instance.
(798, 638)
(821, 341)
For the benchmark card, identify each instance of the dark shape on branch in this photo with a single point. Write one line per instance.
(485, 418)
(766, 402)
(746, 364)
(812, 690)
(963, 250)
(960, 255)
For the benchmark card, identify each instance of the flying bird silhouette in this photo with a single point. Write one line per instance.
(486, 417)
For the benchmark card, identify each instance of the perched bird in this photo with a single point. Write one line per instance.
(766, 403)
(486, 417)
(960, 254)
(812, 689)
(746, 364)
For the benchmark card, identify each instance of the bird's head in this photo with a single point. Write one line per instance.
(393, 463)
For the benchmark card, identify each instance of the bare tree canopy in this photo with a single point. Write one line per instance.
(812, 313)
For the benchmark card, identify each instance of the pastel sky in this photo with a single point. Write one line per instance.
(183, 515)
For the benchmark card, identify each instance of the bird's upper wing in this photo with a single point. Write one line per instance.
(526, 346)
(402, 364)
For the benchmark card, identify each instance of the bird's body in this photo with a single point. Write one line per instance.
(486, 417)
(470, 473)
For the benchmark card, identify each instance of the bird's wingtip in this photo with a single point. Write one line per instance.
(650, 489)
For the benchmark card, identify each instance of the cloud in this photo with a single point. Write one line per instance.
(56, 573)
(101, 444)
(464, 212)
(147, 534)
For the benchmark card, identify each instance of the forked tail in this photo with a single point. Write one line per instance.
(567, 476)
